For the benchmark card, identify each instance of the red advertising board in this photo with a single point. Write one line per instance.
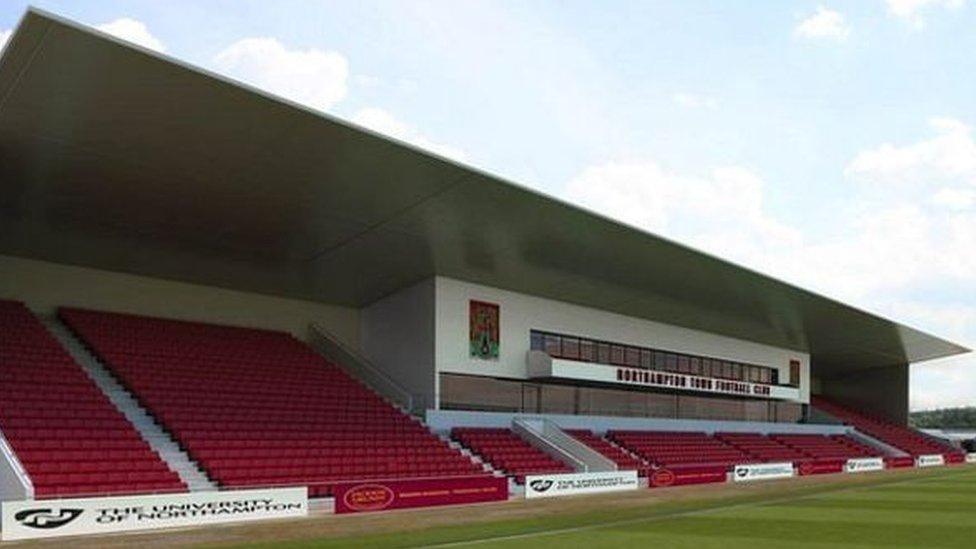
(898, 462)
(378, 495)
(677, 476)
(821, 466)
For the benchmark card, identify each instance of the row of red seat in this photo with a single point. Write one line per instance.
(668, 449)
(507, 452)
(69, 437)
(624, 460)
(909, 440)
(257, 407)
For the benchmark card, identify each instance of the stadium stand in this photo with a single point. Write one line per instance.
(617, 454)
(260, 408)
(760, 447)
(669, 449)
(505, 451)
(904, 438)
(826, 447)
(70, 438)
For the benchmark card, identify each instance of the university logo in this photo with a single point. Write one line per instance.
(541, 485)
(47, 518)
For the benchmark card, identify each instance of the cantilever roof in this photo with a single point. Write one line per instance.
(118, 158)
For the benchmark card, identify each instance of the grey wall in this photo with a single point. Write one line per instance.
(45, 286)
(883, 391)
(397, 336)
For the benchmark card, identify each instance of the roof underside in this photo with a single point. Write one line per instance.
(119, 159)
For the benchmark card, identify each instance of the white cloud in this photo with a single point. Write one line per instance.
(904, 251)
(383, 122)
(133, 31)
(312, 77)
(695, 101)
(911, 10)
(824, 24)
(950, 154)
(721, 212)
(4, 36)
(955, 198)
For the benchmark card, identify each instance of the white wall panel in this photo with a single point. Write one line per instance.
(519, 314)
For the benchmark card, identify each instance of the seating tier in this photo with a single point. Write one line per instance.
(505, 451)
(624, 460)
(671, 449)
(259, 408)
(906, 439)
(70, 438)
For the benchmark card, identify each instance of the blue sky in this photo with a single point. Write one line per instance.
(829, 144)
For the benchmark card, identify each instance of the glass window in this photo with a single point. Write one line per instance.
(632, 357)
(727, 370)
(603, 353)
(696, 366)
(684, 364)
(737, 371)
(537, 341)
(672, 362)
(647, 358)
(617, 354)
(587, 350)
(660, 362)
(571, 348)
(553, 346)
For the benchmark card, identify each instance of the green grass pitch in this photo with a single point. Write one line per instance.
(931, 510)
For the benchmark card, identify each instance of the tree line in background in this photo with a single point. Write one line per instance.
(945, 418)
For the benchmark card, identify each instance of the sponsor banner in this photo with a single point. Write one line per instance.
(544, 486)
(360, 497)
(934, 460)
(762, 471)
(863, 465)
(72, 517)
(588, 371)
(899, 462)
(820, 467)
(662, 478)
(971, 458)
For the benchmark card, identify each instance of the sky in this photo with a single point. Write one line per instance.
(829, 144)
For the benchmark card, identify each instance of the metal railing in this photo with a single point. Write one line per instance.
(14, 465)
(525, 429)
(350, 359)
(595, 461)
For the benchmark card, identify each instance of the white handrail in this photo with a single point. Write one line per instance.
(523, 428)
(594, 460)
(361, 367)
(11, 459)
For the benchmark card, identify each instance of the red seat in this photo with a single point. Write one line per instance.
(256, 407)
(62, 428)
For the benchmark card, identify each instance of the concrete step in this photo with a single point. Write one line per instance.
(160, 441)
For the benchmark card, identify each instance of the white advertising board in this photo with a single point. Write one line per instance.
(589, 371)
(72, 517)
(971, 458)
(544, 486)
(762, 471)
(863, 465)
(934, 460)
